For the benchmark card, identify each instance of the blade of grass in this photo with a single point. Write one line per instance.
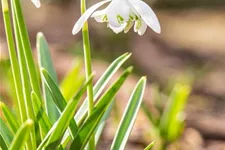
(101, 83)
(56, 132)
(129, 116)
(5, 133)
(13, 61)
(87, 129)
(22, 134)
(10, 117)
(45, 61)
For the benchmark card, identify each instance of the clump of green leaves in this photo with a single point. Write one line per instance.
(167, 120)
(50, 117)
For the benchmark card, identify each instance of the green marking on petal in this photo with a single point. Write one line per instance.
(105, 18)
(130, 23)
(120, 19)
(139, 24)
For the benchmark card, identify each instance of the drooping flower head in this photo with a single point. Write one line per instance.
(36, 3)
(122, 15)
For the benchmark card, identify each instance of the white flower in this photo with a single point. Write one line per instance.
(122, 15)
(36, 3)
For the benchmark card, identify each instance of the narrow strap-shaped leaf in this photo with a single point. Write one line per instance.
(53, 88)
(3, 145)
(90, 125)
(13, 61)
(40, 115)
(65, 118)
(101, 83)
(26, 47)
(45, 61)
(150, 146)
(170, 123)
(57, 96)
(73, 76)
(101, 124)
(129, 116)
(5, 133)
(10, 117)
(22, 135)
(26, 87)
(56, 132)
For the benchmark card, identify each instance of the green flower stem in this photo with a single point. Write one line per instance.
(13, 61)
(87, 58)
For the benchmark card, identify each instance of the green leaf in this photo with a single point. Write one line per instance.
(58, 97)
(10, 117)
(44, 58)
(89, 126)
(150, 146)
(26, 85)
(3, 145)
(26, 46)
(55, 134)
(129, 116)
(172, 119)
(67, 115)
(54, 89)
(13, 61)
(40, 115)
(22, 135)
(101, 124)
(73, 76)
(101, 83)
(5, 133)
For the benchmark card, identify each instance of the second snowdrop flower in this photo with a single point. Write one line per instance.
(122, 15)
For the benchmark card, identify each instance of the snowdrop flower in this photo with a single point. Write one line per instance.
(36, 3)
(122, 15)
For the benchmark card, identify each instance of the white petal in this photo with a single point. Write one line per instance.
(99, 15)
(118, 29)
(143, 28)
(118, 8)
(79, 24)
(36, 3)
(146, 14)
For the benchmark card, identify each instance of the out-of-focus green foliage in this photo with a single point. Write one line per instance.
(168, 121)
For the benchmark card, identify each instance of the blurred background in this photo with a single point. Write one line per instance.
(191, 47)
